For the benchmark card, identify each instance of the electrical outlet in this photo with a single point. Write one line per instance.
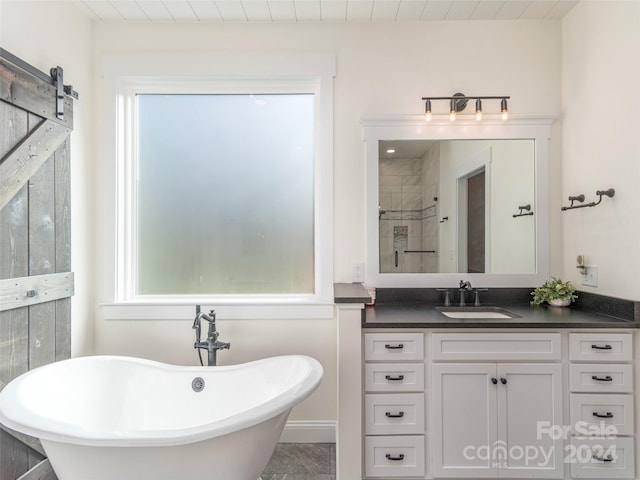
(590, 277)
(357, 272)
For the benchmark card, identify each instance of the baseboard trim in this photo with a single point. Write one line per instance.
(319, 431)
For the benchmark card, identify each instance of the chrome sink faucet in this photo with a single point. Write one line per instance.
(464, 287)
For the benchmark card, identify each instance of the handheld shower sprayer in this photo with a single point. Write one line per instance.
(196, 324)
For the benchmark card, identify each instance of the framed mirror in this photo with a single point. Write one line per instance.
(457, 200)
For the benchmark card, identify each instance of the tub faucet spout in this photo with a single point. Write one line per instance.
(211, 344)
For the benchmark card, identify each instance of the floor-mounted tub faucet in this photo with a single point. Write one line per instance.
(211, 344)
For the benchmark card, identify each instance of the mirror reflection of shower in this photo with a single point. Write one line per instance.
(408, 215)
(447, 206)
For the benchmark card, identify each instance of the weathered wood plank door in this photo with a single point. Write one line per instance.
(36, 283)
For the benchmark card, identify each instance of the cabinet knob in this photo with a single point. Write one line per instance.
(503, 381)
(494, 380)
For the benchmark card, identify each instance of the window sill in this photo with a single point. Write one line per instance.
(226, 309)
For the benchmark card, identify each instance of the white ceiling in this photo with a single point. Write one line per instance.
(328, 11)
(404, 149)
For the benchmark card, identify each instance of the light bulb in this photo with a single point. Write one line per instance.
(503, 109)
(427, 110)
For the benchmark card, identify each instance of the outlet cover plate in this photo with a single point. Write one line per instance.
(357, 272)
(590, 278)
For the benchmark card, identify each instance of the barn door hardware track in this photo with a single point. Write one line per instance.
(55, 78)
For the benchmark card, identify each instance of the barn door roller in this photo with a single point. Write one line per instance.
(58, 80)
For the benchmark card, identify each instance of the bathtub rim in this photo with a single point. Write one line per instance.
(12, 412)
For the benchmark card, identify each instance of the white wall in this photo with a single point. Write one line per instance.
(47, 34)
(601, 100)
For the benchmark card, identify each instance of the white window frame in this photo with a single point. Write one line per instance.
(125, 76)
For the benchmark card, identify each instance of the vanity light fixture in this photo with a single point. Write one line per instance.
(458, 102)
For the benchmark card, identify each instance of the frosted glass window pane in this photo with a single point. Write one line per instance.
(225, 194)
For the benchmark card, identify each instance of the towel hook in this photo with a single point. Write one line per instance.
(580, 198)
(521, 208)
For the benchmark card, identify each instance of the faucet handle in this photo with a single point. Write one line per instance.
(447, 300)
(476, 301)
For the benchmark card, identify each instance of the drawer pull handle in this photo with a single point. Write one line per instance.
(395, 458)
(394, 415)
(394, 378)
(394, 347)
(605, 347)
(608, 378)
(600, 415)
(608, 458)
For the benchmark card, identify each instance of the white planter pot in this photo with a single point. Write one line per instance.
(560, 302)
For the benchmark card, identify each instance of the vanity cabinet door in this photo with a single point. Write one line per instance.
(529, 405)
(464, 420)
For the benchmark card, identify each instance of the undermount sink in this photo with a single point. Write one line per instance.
(476, 312)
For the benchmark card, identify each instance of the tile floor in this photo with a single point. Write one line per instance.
(302, 461)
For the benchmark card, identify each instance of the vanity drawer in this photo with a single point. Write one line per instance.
(496, 346)
(402, 456)
(394, 414)
(394, 377)
(601, 458)
(393, 346)
(602, 414)
(601, 347)
(607, 378)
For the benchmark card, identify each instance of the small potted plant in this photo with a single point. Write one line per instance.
(555, 292)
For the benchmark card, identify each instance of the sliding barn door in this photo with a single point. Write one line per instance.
(36, 283)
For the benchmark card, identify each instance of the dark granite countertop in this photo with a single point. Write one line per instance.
(350, 293)
(427, 316)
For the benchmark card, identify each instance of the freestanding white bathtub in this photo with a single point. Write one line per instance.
(122, 418)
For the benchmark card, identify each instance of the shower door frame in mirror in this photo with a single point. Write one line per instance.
(414, 127)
